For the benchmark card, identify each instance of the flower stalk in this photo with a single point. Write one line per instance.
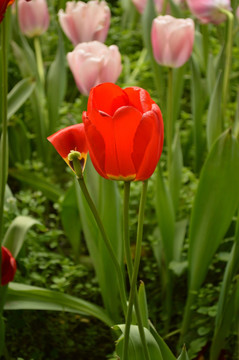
(78, 170)
(133, 292)
(130, 266)
(4, 135)
(227, 60)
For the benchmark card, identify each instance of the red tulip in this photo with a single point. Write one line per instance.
(124, 131)
(72, 138)
(8, 267)
(3, 7)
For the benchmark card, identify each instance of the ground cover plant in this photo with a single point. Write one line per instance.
(127, 249)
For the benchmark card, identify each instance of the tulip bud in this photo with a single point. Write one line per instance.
(94, 63)
(83, 22)
(172, 40)
(8, 266)
(33, 17)
(208, 11)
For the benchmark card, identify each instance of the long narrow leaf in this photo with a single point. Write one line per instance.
(215, 203)
(56, 85)
(135, 344)
(25, 297)
(214, 121)
(51, 191)
(18, 95)
(15, 235)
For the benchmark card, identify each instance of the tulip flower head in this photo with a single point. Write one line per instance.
(8, 266)
(172, 40)
(209, 11)
(71, 138)
(124, 131)
(33, 17)
(3, 7)
(83, 22)
(94, 63)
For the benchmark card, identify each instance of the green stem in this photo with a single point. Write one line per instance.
(169, 120)
(164, 9)
(187, 317)
(4, 139)
(77, 168)
(135, 270)
(40, 66)
(227, 61)
(130, 266)
(205, 38)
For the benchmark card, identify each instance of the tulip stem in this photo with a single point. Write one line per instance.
(227, 61)
(81, 181)
(169, 120)
(135, 271)
(38, 53)
(164, 9)
(4, 135)
(130, 267)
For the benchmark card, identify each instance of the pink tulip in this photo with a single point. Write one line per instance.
(93, 63)
(83, 22)
(208, 11)
(172, 40)
(33, 17)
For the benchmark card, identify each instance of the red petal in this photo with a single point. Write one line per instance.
(69, 138)
(106, 97)
(126, 121)
(97, 151)
(105, 127)
(139, 98)
(148, 144)
(8, 266)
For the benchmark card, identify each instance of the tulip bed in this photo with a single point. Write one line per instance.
(119, 173)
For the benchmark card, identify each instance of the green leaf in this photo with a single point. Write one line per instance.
(19, 142)
(70, 219)
(229, 273)
(176, 171)
(135, 344)
(215, 203)
(183, 355)
(56, 84)
(198, 102)
(229, 316)
(165, 216)
(211, 74)
(143, 307)
(51, 191)
(214, 121)
(165, 351)
(105, 195)
(15, 235)
(25, 297)
(180, 231)
(18, 95)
